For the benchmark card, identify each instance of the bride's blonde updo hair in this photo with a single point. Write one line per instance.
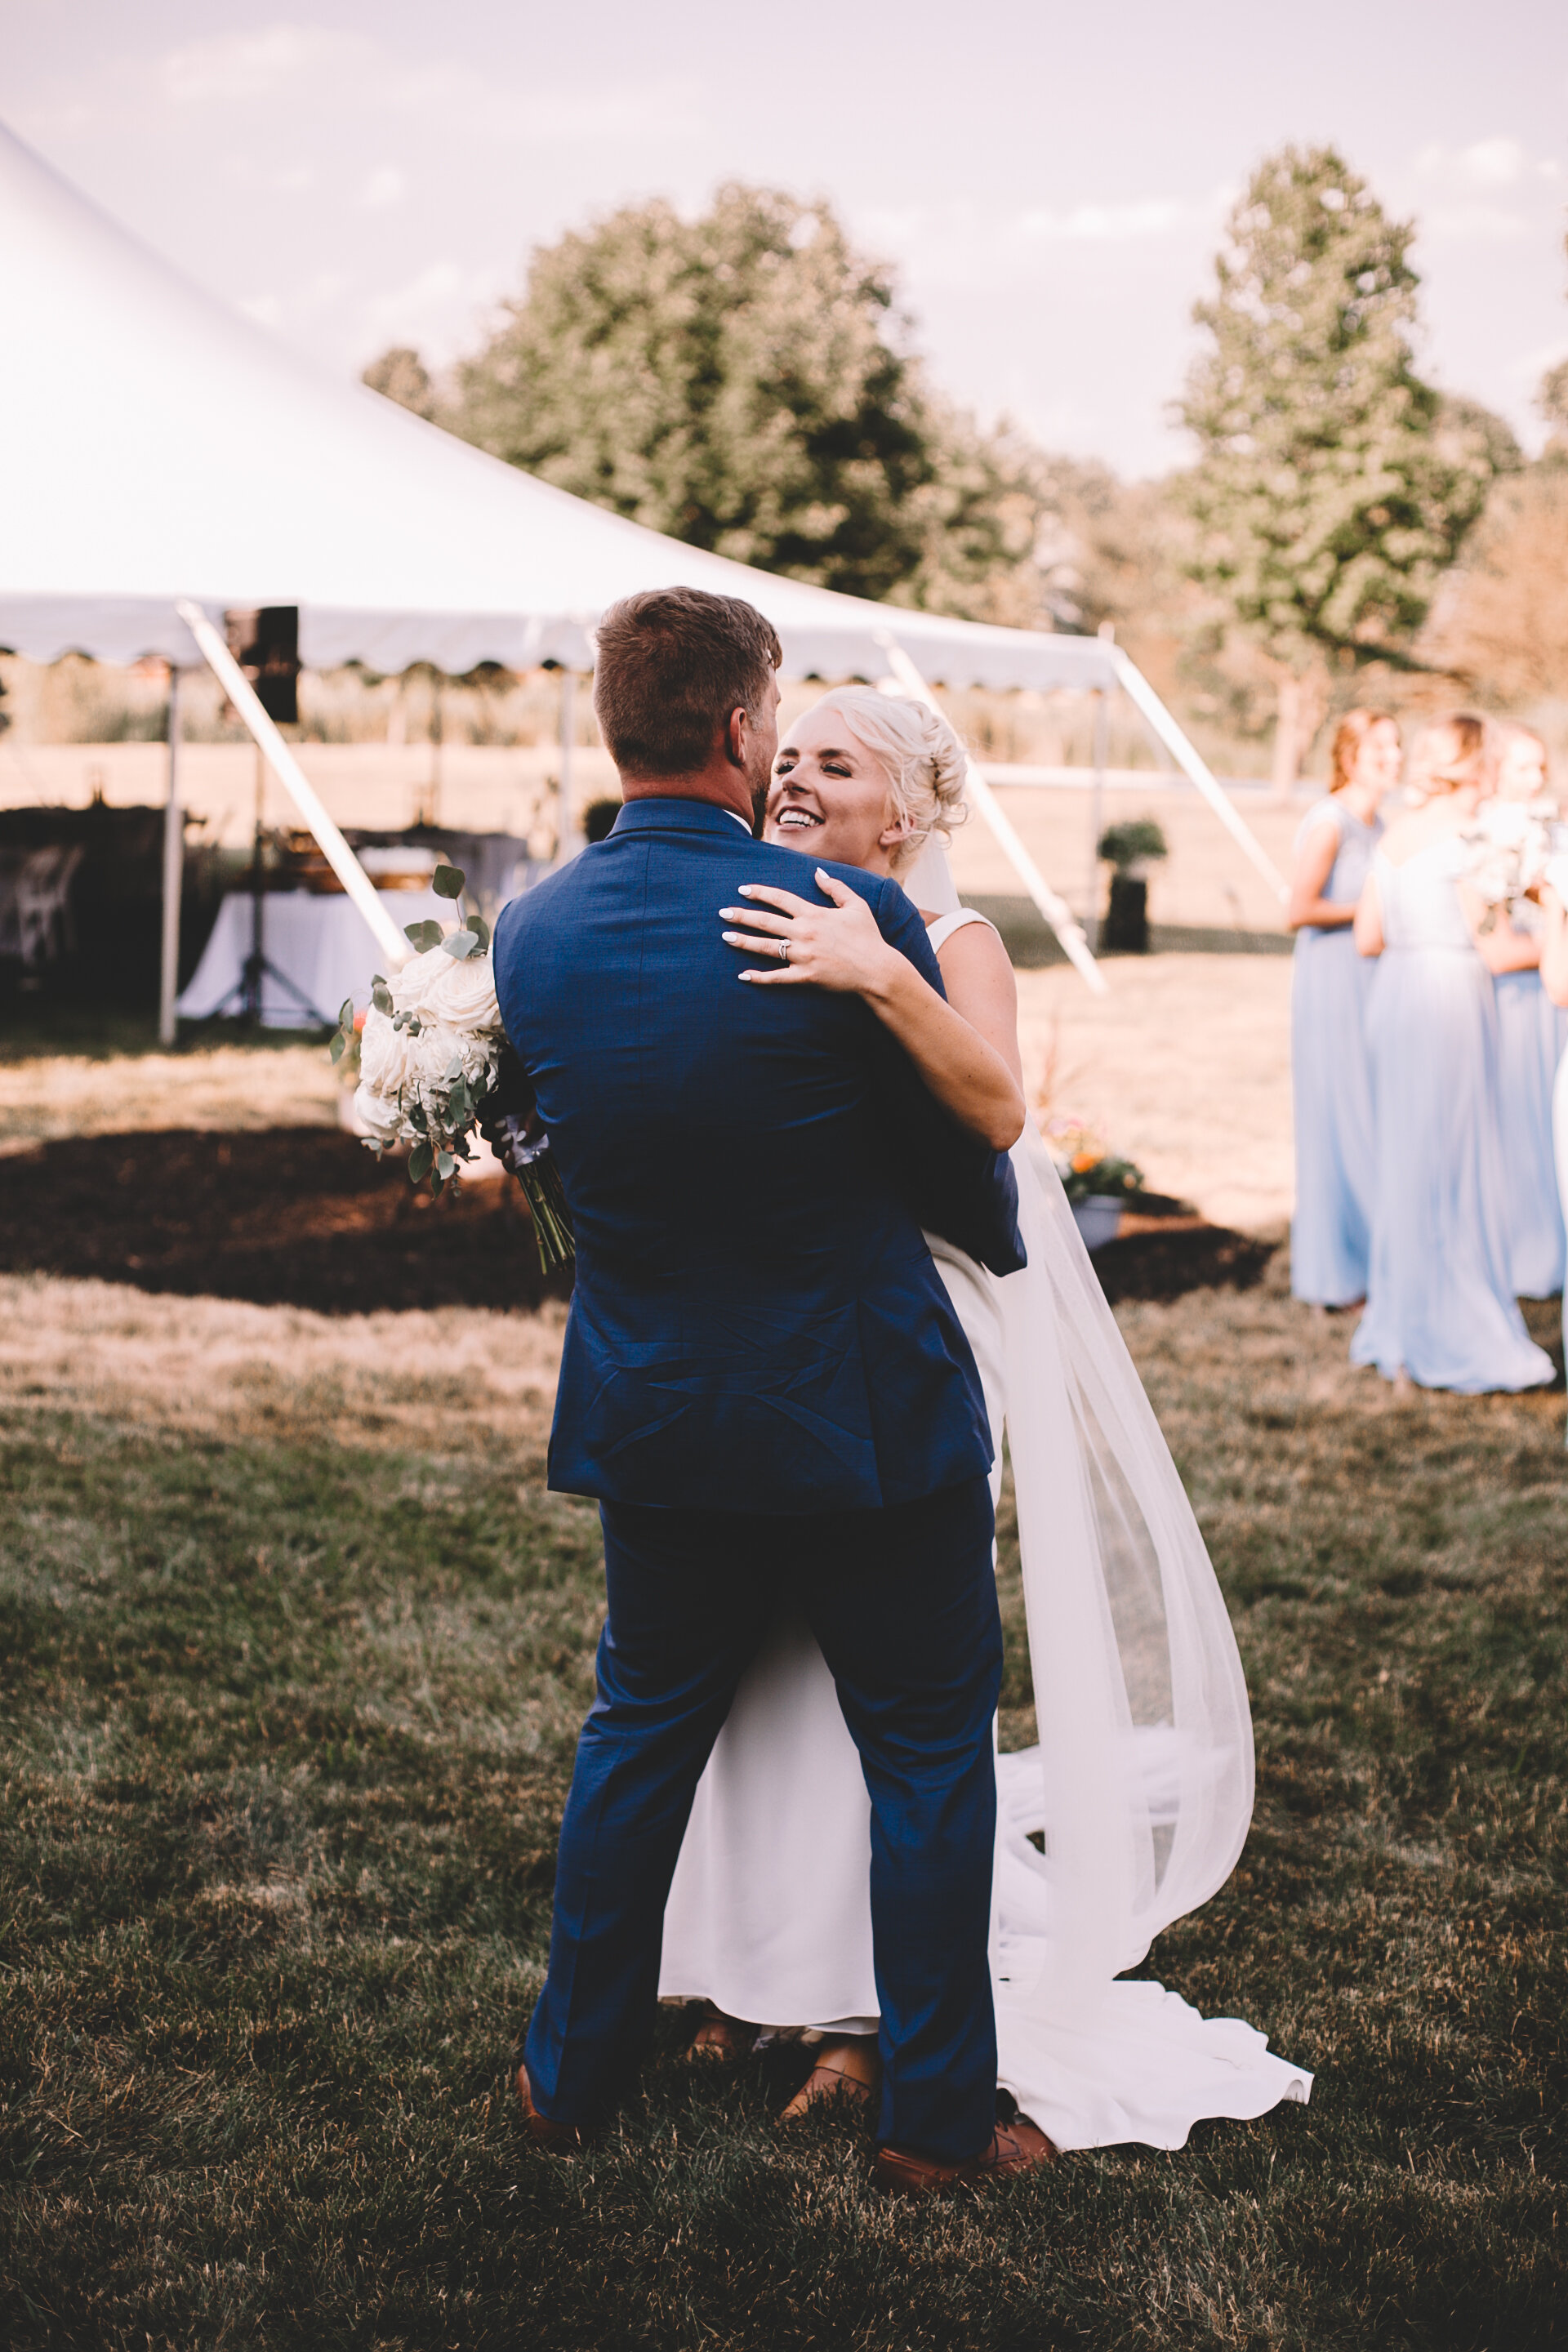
(924, 760)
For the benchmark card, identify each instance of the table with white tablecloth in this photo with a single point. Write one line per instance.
(319, 942)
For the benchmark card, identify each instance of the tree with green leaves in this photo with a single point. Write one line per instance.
(1333, 487)
(400, 374)
(745, 382)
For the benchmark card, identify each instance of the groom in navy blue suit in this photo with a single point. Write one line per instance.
(763, 1383)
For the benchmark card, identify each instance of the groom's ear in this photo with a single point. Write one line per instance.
(735, 736)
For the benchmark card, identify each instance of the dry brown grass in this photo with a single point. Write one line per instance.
(50, 1097)
(449, 1381)
(1184, 1066)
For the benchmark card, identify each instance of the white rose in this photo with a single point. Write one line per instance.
(388, 1057)
(439, 1047)
(379, 1117)
(409, 985)
(456, 993)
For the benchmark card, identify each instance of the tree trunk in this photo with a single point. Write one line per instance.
(1301, 703)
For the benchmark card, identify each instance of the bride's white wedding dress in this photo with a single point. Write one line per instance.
(1140, 1792)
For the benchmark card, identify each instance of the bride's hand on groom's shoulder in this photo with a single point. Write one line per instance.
(835, 947)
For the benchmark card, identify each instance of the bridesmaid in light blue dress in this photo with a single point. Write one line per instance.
(1441, 1306)
(1554, 985)
(1331, 1235)
(1531, 1033)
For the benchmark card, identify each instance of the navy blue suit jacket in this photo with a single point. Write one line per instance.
(757, 1324)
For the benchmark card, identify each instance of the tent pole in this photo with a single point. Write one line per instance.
(1056, 910)
(174, 871)
(295, 783)
(566, 820)
(1096, 810)
(1143, 695)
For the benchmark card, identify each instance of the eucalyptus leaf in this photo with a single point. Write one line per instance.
(445, 1164)
(381, 996)
(448, 882)
(479, 927)
(460, 944)
(423, 935)
(337, 1048)
(346, 1014)
(419, 1161)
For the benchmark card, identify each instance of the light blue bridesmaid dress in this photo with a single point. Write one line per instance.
(1532, 1032)
(1332, 1230)
(1440, 1299)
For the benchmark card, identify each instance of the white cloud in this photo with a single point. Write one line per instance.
(1104, 224)
(250, 65)
(1492, 163)
(1497, 163)
(435, 310)
(353, 73)
(386, 185)
(1475, 223)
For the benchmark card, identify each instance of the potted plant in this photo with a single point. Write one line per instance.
(1099, 1184)
(1129, 850)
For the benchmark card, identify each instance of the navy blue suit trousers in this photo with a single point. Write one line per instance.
(902, 1602)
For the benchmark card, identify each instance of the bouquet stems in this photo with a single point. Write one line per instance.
(541, 1182)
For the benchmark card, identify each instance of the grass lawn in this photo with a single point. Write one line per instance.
(294, 1650)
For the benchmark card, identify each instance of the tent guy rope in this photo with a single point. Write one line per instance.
(1056, 910)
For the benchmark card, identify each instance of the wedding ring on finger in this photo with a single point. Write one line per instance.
(783, 952)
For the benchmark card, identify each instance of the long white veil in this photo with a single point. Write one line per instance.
(1140, 1788)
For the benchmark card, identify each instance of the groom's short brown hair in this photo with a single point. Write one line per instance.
(672, 664)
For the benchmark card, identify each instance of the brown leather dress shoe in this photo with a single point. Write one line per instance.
(1018, 2146)
(556, 2139)
(845, 2068)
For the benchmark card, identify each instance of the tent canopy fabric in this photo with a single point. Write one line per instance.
(159, 446)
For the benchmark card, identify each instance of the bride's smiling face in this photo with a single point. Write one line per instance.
(830, 797)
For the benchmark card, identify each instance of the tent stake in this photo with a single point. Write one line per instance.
(174, 871)
(1056, 910)
(295, 783)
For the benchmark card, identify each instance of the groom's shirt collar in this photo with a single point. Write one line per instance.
(673, 811)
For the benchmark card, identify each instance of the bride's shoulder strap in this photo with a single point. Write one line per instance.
(941, 930)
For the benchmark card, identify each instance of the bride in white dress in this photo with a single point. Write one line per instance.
(1133, 1808)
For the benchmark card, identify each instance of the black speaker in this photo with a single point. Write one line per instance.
(266, 645)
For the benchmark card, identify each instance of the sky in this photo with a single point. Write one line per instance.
(1049, 183)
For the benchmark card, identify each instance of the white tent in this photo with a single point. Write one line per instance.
(158, 445)
(161, 449)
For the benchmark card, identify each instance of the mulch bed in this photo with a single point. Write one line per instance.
(292, 1216)
(1192, 1258)
(304, 1217)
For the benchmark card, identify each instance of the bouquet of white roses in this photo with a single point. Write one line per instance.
(1509, 845)
(430, 1056)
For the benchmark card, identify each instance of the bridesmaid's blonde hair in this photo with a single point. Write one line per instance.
(925, 761)
(1349, 736)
